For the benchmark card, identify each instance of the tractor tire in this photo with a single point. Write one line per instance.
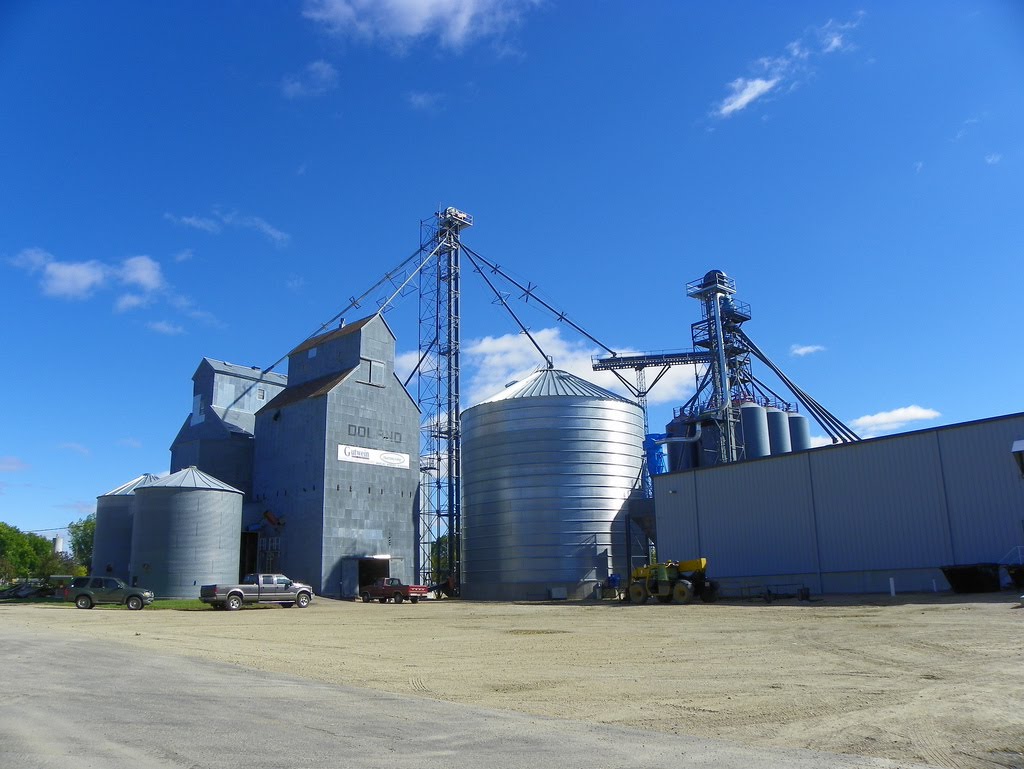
(683, 591)
(710, 592)
(638, 593)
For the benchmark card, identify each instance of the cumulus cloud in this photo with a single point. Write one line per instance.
(142, 271)
(317, 78)
(993, 158)
(490, 363)
(399, 23)
(127, 302)
(12, 465)
(889, 421)
(788, 70)
(800, 350)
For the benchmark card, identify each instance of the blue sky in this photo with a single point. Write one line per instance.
(191, 179)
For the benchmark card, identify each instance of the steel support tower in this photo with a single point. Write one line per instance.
(438, 394)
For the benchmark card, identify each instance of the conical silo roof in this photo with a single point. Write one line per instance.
(128, 489)
(553, 382)
(191, 478)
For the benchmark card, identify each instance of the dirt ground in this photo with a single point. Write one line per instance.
(936, 679)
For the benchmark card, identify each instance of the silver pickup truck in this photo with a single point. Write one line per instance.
(257, 588)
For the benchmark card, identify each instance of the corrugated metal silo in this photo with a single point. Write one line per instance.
(112, 541)
(754, 421)
(548, 467)
(186, 533)
(799, 432)
(778, 431)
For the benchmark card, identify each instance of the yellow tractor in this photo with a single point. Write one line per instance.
(672, 581)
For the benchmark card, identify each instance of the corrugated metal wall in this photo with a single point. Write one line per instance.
(849, 517)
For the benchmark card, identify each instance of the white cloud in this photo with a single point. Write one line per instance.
(993, 158)
(165, 328)
(800, 350)
(132, 443)
(820, 440)
(262, 226)
(142, 271)
(744, 92)
(318, 78)
(184, 255)
(786, 72)
(12, 465)
(491, 363)
(73, 280)
(455, 23)
(128, 302)
(195, 222)
(918, 166)
(889, 421)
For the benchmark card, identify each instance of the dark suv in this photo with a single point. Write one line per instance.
(86, 592)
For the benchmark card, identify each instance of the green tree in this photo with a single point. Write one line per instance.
(82, 533)
(17, 552)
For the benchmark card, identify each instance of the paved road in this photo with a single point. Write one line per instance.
(91, 705)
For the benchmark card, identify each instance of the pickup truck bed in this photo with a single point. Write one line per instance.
(257, 588)
(391, 589)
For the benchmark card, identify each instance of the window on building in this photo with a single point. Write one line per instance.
(311, 353)
(371, 372)
(261, 394)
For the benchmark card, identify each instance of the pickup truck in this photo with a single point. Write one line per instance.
(391, 588)
(257, 588)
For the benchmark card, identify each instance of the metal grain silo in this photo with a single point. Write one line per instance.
(186, 533)
(112, 541)
(799, 432)
(754, 421)
(548, 467)
(778, 431)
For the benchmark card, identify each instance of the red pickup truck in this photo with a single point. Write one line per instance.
(391, 588)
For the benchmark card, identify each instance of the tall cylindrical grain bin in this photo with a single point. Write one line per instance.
(548, 467)
(754, 421)
(112, 541)
(799, 432)
(186, 533)
(778, 431)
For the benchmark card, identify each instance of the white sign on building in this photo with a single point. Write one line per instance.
(372, 457)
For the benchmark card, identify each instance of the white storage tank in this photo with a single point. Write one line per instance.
(778, 431)
(548, 467)
(186, 533)
(754, 421)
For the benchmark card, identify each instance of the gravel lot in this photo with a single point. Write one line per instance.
(935, 679)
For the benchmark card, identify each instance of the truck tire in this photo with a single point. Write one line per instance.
(302, 600)
(134, 603)
(413, 599)
(287, 604)
(683, 591)
(234, 603)
(382, 599)
(83, 602)
(638, 593)
(365, 597)
(399, 597)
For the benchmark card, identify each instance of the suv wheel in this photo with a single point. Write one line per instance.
(134, 603)
(234, 603)
(83, 602)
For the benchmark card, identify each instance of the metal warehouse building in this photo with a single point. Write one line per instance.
(849, 517)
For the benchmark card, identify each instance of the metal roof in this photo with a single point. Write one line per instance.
(191, 478)
(343, 331)
(552, 382)
(314, 388)
(246, 372)
(129, 488)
